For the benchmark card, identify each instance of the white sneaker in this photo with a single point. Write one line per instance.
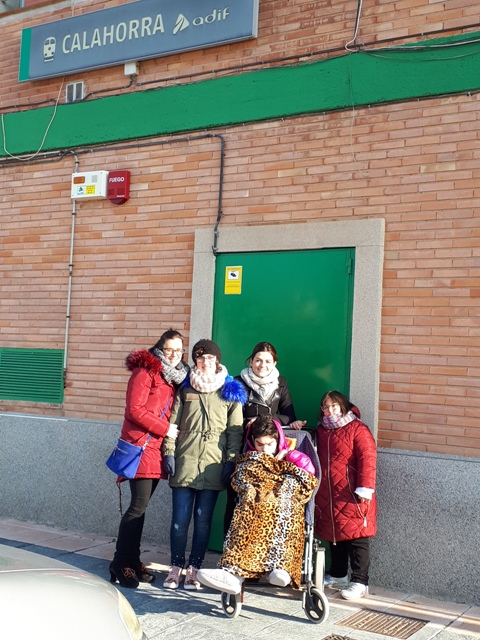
(173, 579)
(220, 579)
(355, 591)
(335, 583)
(279, 577)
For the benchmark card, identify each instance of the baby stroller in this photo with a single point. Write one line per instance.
(314, 601)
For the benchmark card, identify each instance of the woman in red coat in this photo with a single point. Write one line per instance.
(156, 373)
(345, 503)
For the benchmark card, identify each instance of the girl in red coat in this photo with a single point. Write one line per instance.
(156, 373)
(345, 503)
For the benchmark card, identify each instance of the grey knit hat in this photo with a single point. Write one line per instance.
(205, 346)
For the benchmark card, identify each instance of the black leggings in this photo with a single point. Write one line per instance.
(357, 551)
(127, 553)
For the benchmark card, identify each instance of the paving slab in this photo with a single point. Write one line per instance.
(468, 622)
(268, 613)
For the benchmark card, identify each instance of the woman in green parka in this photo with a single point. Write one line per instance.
(200, 462)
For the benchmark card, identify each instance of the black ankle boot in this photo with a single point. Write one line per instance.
(144, 574)
(125, 576)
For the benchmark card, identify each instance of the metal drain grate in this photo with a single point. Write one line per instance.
(335, 636)
(385, 624)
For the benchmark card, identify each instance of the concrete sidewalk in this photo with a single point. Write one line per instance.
(267, 612)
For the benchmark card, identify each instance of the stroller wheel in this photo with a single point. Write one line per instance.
(231, 604)
(316, 605)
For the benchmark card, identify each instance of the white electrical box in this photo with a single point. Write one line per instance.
(88, 185)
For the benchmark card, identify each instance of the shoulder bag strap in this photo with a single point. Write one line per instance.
(165, 408)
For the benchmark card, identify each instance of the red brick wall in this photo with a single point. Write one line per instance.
(416, 165)
(133, 264)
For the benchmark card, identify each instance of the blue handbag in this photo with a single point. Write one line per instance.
(125, 458)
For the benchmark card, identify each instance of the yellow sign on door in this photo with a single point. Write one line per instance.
(233, 280)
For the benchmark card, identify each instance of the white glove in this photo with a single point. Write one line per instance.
(172, 432)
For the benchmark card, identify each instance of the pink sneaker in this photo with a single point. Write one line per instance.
(173, 579)
(191, 581)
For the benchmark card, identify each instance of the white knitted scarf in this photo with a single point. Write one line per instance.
(265, 387)
(205, 383)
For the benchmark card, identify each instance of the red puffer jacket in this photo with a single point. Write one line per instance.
(348, 458)
(148, 394)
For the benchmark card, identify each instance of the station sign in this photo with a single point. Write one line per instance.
(132, 32)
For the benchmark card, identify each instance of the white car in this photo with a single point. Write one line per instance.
(44, 598)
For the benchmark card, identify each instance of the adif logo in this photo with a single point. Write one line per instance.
(181, 24)
(216, 15)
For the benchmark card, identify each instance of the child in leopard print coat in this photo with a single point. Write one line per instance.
(273, 481)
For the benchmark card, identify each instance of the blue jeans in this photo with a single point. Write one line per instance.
(186, 501)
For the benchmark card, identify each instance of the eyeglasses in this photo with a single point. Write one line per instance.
(327, 407)
(206, 358)
(170, 352)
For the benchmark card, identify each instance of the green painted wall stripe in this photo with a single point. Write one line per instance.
(356, 79)
(24, 54)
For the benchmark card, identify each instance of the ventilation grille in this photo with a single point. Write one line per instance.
(74, 92)
(32, 375)
(385, 624)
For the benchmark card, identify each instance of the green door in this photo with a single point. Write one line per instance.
(301, 302)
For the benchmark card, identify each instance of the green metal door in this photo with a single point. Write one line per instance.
(301, 302)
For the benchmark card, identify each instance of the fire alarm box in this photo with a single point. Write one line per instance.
(118, 186)
(91, 184)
